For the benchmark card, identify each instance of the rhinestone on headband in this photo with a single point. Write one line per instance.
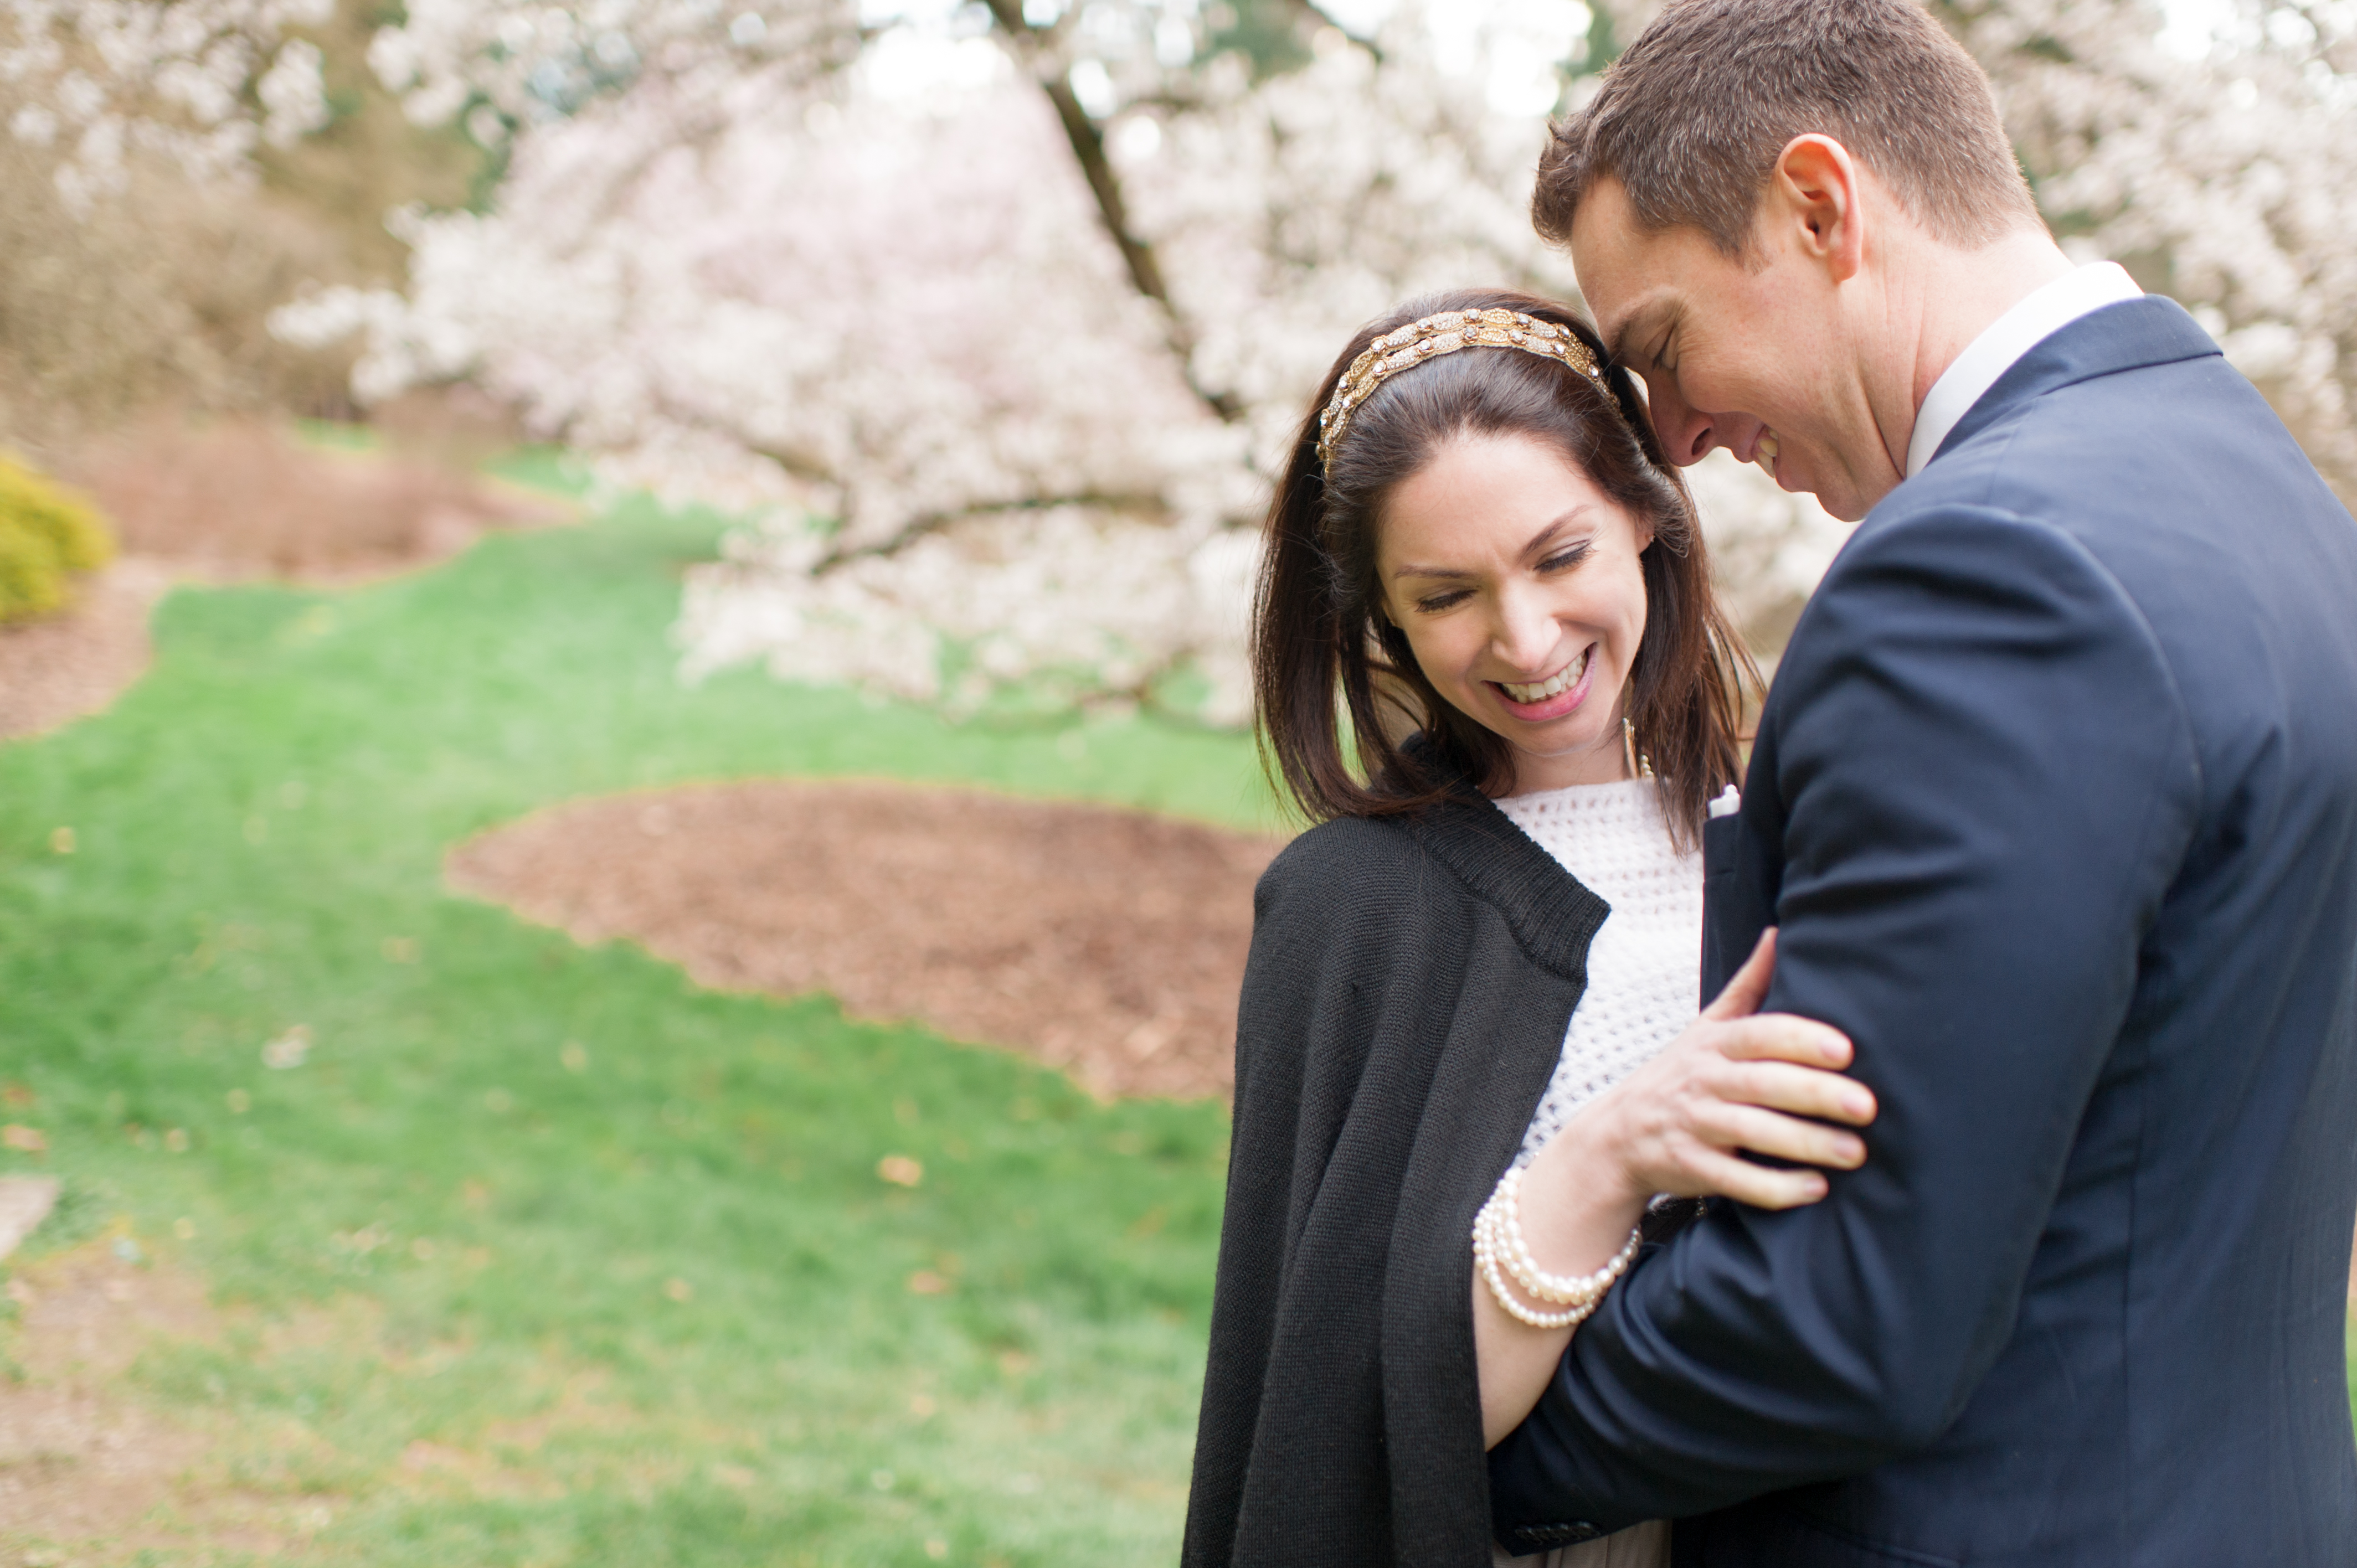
(1444, 333)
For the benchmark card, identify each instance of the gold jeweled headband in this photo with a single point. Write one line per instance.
(1446, 333)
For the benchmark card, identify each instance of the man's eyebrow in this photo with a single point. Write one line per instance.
(1643, 316)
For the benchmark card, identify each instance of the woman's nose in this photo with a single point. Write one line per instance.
(1525, 635)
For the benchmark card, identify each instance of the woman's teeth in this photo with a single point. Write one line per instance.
(1764, 451)
(1561, 681)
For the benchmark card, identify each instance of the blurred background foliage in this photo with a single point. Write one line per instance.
(930, 357)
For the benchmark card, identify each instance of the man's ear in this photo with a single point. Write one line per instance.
(1813, 197)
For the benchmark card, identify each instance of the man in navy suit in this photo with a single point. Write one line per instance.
(2054, 805)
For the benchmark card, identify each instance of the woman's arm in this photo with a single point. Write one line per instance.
(1735, 1081)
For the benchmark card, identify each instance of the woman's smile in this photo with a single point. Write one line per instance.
(1536, 701)
(1519, 587)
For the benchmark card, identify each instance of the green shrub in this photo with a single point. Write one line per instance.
(46, 531)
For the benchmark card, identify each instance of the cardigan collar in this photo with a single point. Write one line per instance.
(1553, 915)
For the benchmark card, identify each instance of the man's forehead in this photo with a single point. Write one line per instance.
(1608, 249)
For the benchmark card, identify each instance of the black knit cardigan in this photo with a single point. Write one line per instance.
(1403, 1008)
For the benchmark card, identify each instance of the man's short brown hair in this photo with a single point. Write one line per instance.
(1691, 118)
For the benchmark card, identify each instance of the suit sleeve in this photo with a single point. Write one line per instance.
(1986, 785)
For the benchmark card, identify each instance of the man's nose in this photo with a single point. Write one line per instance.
(1687, 434)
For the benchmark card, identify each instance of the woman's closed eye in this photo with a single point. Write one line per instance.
(1565, 558)
(1445, 599)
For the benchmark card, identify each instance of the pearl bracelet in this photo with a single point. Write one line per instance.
(1485, 1256)
(1568, 1290)
(1498, 1239)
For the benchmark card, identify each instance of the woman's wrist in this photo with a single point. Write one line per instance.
(1572, 1227)
(1591, 1164)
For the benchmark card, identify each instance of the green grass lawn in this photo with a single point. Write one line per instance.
(545, 1256)
(636, 1303)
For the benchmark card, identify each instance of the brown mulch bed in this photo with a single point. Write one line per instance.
(1107, 942)
(61, 667)
(235, 503)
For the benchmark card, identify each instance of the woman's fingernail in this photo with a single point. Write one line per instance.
(1859, 1104)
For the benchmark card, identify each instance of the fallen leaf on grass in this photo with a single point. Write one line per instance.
(290, 1049)
(899, 1170)
(924, 1282)
(26, 1140)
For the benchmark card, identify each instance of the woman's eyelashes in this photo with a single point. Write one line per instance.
(1563, 560)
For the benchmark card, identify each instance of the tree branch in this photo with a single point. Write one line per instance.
(942, 521)
(1086, 138)
(1310, 11)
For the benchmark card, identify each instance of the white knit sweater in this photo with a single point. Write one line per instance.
(1644, 967)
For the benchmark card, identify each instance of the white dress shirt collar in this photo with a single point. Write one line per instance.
(2037, 316)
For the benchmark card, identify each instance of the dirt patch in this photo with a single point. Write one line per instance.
(76, 1460)
(66, 666)
(90, 1470)
(1109, 943)
(236, 503)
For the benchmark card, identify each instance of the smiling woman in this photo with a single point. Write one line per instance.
(1448, 550)
(1488, 657)
(1518, 585)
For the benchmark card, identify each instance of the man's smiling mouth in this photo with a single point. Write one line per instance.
(1562, 681)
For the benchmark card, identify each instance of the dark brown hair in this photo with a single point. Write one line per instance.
(1338, 688)
(1691, 118)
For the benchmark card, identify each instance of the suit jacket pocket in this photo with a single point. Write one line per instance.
(1719, 916)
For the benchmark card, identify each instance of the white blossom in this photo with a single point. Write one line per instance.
(1000, 439)
(104, 79)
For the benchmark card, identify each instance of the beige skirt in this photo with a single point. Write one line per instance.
(1645, 1545)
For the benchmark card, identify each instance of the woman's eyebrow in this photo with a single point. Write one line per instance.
(1546, 538)
(1538, 545)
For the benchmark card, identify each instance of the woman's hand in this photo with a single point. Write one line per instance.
(1736, 1081)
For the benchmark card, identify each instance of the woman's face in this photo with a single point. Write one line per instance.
(1517, 582)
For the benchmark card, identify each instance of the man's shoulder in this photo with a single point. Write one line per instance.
(2129, 419)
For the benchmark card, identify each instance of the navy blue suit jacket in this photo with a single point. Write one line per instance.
(2055, 802)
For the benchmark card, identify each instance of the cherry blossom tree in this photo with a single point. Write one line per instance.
(198, 82)
(2211, 146)
(996, 317)
(1007, 362)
